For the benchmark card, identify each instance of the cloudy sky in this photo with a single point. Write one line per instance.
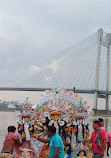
(32, 31)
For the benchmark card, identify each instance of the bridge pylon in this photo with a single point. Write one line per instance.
(107, 45)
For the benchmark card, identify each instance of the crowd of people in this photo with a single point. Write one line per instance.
(101, 142)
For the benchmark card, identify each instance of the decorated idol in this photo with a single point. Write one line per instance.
(80, 127)
(26, 127)
(53, 110)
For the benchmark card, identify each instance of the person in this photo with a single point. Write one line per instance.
(81, 154)
(56, 149)
(67, 151)
(101, 121)
(9, 143)
(109, 144)
(98, 140)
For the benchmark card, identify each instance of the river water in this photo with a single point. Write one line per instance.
(11, 118)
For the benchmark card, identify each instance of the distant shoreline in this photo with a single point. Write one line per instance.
(8, 110)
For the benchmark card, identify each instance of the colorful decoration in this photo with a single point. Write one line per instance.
(25, 128)
(65, 110)
(54, 108)
(78, 114)
(68, 112)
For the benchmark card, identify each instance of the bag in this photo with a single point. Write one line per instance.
(98, 141)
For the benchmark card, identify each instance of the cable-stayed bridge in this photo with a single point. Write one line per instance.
(85, 65)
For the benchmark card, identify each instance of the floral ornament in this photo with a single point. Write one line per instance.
(67, 129)
(44, 128)
(70, 116)
(86, 131)
(75, 130)
(72, 122)
(30, 129)
(88, 145)
(35, 128)
(71, 128)
(89, 155)
(37, 135)
(41, 120)
(20, 127)
(38, 114)
(86, 137)
(69, 135)
(35, 121)
(23, 134)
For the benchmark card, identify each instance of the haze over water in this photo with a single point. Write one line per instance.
(34, 97)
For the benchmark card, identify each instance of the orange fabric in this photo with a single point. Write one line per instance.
(55, 112)
(44, 152)
(63, 142)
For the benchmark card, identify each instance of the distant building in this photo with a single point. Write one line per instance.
(11, 106)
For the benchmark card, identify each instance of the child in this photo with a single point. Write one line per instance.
(67, 151)
(101, 121)
(81, 154)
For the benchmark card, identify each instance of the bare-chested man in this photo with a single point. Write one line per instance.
(11, 140)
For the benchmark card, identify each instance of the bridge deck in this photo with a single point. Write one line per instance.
(43, 89)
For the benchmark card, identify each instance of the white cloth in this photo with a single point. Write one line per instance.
(73, 141)
(36, 145)
(26, 130)
(57, 127)
(68, 141)
(80, 135)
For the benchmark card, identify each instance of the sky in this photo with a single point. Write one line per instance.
(33, 31)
